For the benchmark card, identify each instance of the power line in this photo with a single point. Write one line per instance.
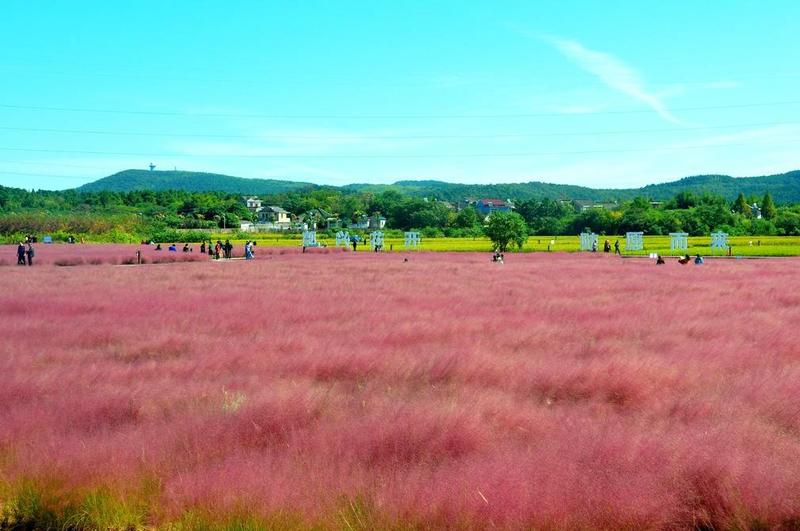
(72, 178)
(390, 156)
(386, 116)
(339, 81)
(55, 164)
(152, 134)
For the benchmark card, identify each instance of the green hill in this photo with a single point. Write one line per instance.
(785, 187)
(128, 180)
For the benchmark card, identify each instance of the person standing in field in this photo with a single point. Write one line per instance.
(217, 250)
(29, 253)
(616, 248)
(248, 250)
(228, 249)
(607, 247)
(203, 248)
(21, 254)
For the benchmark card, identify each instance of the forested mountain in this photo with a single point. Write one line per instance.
(785, 188)
(129, 180)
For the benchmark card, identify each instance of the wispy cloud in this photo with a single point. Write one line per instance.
(613, 72)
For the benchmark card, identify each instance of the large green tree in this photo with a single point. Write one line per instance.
(768, 210)
(740, 205)
(505, 228)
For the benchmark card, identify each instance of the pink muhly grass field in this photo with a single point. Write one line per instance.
(359, 390)
(96, 254)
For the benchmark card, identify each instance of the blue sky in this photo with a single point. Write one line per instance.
(602, 94)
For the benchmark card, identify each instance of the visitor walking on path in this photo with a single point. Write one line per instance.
(228, 249)
(21, 254)
(616, 248)
(607, 247)
(29, 253)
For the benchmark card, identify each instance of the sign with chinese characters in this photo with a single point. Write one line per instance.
(633, 241)
(719, 240)
(588, 241)
(376, 239)
(309, 238)
(678, 241)
(342, 239)
(412, 239)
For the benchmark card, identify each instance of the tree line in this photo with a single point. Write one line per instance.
(145, 212)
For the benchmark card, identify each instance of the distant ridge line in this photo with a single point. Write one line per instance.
(784, 187)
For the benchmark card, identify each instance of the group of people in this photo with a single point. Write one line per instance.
(25, 254)
(498, 257)
(698, 260)
(220, 250)
(607, 247)
(217, 251)
(174, 248)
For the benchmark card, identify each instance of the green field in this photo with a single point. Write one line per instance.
(741, 245)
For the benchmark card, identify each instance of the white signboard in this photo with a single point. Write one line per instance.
(309, 238)
(678, 241)
(588, 241)
(342, 239)
(633, 241)
(719, 240)
(376, 239)
(412, 239)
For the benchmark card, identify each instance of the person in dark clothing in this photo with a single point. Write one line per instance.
(158, 247)
(659, 260)
(684, 260)
(228, 249)
(29, 253)
(186, 248)
(607, 247)
(616, 248)
(203, 248)
(21, 254)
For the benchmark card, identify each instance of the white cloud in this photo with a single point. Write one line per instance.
(614, 73)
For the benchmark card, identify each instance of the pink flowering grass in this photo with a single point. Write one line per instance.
(66, 255)
(346, 390)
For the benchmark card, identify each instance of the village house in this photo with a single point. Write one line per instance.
(253, 204)
(487, 206)
(317, 218)
(582, 205)
(270, 217)
(274, 214)
(373, 222)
